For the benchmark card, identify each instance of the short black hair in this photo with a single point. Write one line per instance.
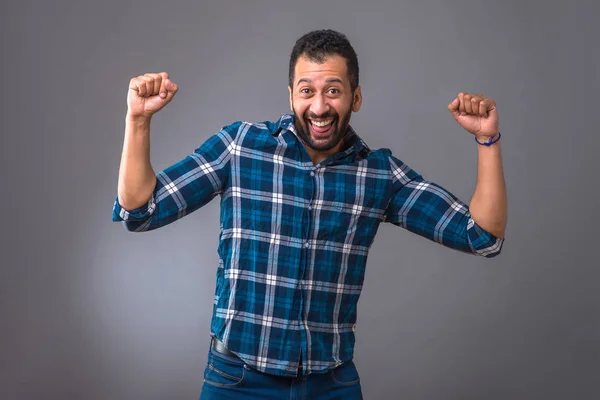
(320, 44)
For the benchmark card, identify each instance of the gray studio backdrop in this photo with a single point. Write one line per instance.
(90, 311)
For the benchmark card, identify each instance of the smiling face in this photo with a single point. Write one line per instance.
(322, 101)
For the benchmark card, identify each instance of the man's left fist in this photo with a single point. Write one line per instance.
(476, 113)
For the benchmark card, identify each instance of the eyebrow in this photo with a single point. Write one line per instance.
(330, 80)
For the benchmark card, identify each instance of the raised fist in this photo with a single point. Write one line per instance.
(475, 113)
(148, 94)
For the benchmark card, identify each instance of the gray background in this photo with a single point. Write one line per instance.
(89, 311)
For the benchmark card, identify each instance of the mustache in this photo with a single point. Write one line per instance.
(322, 116)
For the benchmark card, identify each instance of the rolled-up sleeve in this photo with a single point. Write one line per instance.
(431, 211)
(185, 186)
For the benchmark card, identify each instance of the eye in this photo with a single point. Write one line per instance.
(305, 90)
(334, 91)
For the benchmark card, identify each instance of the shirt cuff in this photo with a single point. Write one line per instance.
(482, 242)
(139, 214)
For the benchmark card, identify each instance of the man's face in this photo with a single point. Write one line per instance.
(322, 102)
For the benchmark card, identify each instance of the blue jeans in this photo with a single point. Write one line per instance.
(230, 378)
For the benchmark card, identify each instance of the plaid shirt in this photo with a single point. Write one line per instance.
(294, 237)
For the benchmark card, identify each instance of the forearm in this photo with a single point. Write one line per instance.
(488, 205)
(137, 179)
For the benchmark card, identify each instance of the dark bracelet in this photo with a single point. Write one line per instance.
(490, 142)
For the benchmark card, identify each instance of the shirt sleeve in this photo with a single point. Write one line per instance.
(185, 186)
(429, 210)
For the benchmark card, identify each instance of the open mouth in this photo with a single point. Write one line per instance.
(321, 129)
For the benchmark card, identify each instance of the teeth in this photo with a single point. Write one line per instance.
(322, 123)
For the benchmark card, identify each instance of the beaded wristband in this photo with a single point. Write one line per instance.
(490, 142)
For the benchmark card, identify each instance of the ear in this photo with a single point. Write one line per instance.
(290, 90)
(357, 100)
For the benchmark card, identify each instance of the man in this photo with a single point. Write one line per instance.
(301, 201)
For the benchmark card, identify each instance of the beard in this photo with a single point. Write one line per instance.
(339, 128)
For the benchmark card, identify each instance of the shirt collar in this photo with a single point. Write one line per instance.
(286, 122)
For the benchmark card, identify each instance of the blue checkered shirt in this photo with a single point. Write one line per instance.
(294, 237)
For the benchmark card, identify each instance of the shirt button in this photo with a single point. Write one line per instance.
(306, 244)
(312, 173)
(310, 206)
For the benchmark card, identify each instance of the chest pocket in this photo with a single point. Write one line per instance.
(348, 223)
(351, 203)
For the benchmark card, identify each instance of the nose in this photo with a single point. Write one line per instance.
(319, 105)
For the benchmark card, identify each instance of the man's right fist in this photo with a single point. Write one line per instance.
(148, 94)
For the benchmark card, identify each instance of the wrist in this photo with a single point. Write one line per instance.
(488, 140)
(482, 137)
(137, 120)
